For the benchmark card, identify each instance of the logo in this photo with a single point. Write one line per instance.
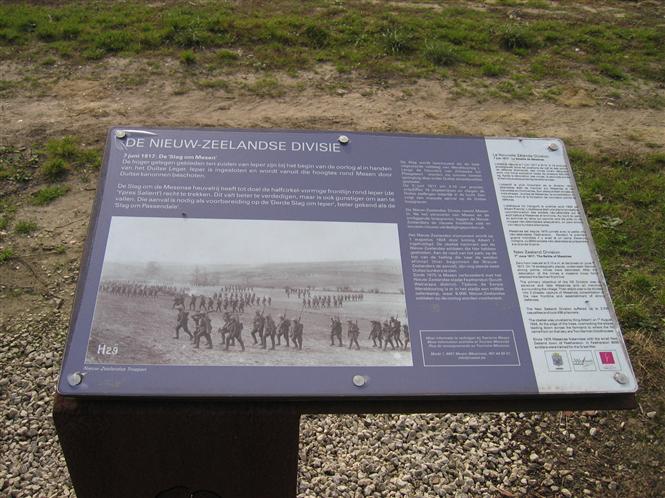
(557, 361)
(582, 361)
(608, 360)
(606, 357)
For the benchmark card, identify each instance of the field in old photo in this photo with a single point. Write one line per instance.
(158, 269)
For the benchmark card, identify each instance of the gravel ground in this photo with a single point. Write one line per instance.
(355, 456)
(31, 464)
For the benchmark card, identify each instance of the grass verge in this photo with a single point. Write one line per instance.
(413, 39)
(624, 201)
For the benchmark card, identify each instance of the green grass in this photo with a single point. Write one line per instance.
(611, 71)
(64, 155)
(16, 165)
(493, 70)
(25, 227)
(226, 56)
(7, 85)
(187, 57)
(516, 38)
(442, 54)
(54, 169)
(267, 86)
(624, 201)
(7, 211)
(216, 84)
(376, 39)
(6, 254)
(48, 194)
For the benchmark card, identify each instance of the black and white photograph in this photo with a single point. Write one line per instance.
(183, 291)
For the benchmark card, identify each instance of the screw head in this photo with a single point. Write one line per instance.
(621, 378)
(74, 379)
(359, 380)
(120, 134)
(343, 139)
(553, 146)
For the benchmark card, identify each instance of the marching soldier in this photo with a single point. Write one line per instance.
(258, 325)
(178, 301)
(297, 332)
(405, 331)
(192, 303)
(386, 334)
(203, 329)
(270, 331)
(335, 331)
(181, 323)
(196, 316)
(375, 333)
(353, 332)
(235, 328)
(225, 329)
(283, 330)
(396, 330)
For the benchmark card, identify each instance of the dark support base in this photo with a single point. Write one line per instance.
(172, 449)
(182, 448)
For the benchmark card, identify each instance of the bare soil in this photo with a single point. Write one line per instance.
(85, 101)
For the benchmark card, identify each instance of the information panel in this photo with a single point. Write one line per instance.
(319, 264)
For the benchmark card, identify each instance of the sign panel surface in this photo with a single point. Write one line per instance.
(313, 264)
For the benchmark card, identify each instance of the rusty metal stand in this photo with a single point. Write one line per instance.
(188, 448)
(128, 448)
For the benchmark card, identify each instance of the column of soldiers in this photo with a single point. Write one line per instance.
(302, 292)
(329, 301)
(236, 288)
(135, 289)
(264, 328)
(286, 331)
(233, 302)
(323, 300)
(381, 334)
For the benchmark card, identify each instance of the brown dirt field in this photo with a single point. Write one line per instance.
(84, 101)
